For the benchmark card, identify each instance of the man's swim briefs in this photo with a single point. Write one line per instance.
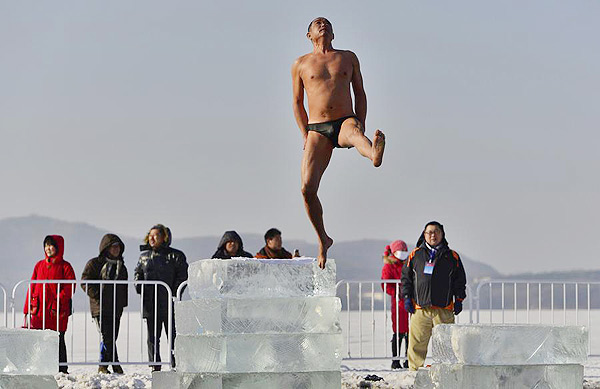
(330, 129)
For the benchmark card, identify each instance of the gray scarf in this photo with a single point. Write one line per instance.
(111, 269)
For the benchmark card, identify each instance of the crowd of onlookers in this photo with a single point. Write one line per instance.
(432, 289)
(48, 305)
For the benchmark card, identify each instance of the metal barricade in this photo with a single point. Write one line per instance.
(180, 289)
(4, 306)
(540, 302)
(78, 332)
(375, 343)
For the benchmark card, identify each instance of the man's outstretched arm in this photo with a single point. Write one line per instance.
(360, 97)
(298, 92)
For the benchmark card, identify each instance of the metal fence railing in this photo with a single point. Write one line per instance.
(84, 344)
(4, 306)
(366, 318)
(541, 302)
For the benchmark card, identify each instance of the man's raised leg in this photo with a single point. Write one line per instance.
(317, 153)
(352, 134)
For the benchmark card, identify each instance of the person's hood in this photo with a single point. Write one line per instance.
(107, 241)
(166, 232)
(60, 249)
(421, 240)
(229, 236)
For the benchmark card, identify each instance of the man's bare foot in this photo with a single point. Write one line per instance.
(378, 148)
(323, 247)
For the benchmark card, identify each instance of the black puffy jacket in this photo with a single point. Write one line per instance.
(163, 264)
(448, 280)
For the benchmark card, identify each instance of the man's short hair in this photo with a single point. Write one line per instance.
(271, 233)
(318, 17)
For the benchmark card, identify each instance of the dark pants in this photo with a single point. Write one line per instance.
(397, 342)
(62, 352)
(105, 327)
(154, 337)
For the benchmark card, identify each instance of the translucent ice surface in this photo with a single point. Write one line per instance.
(274, 315)
(246, 278)
(449, 376)
(258, 353)
(178, 380)
(304, 380)
(423, 379)
(33, 352)
(480, 344)
(9, 381)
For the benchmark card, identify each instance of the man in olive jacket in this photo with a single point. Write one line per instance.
(433, 288)
(107, 307)
(158, 261)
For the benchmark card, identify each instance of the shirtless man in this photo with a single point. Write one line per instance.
(326, 75)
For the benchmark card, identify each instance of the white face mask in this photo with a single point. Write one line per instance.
(401, 254)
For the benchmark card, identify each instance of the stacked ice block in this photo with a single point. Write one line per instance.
(28, 358)
(506, 356)
(256, 323)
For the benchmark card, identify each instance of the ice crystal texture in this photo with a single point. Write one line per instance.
(249, 277)
(480, 344)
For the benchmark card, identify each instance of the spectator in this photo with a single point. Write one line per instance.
(273, 247)
(48, 306)
(160, 262)
(108, 265)
(393, 258)
(433, 286)
(231, 246)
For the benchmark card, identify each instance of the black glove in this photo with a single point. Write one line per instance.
(457, 307)
(408, 305)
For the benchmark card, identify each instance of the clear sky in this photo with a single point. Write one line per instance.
(123, 114)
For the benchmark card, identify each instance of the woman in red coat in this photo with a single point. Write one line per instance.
(44, 304)
(394, 256)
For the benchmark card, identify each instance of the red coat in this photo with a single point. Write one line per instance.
(55, 268)
(394, 272)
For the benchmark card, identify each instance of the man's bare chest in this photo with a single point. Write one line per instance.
(331, 70)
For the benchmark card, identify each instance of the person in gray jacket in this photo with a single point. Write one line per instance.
(159, 261)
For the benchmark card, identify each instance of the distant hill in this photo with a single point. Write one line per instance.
(21, 240)
(572, 275)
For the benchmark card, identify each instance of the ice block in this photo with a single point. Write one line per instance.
(31, 352)
(247, 278)
(291, 352)
(312, 380)
(21, 381)
(275, 315)
(457, 376)
(509, 344)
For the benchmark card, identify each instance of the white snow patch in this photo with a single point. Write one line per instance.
(81, 377)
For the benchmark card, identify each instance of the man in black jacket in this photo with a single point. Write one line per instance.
(158, 261)
(433, 288)
(107, 307)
